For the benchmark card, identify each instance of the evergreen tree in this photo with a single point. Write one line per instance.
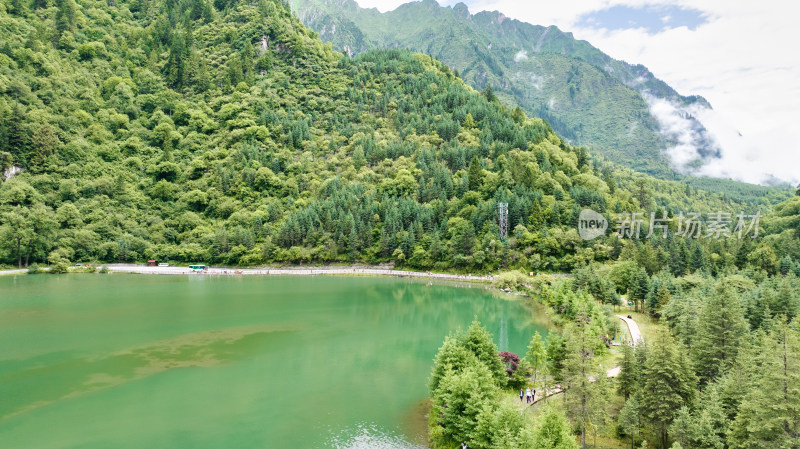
(16, 135)
(556, 353)
(479, 341)
(669, 384)
(785, 302)
(459, 400)
(769, 414)
(66, 16)
(174, 69)
(722, 328)
(537, 355)
(488, 93)
(786, 265)
(639, 288)
(499, 426)
(629, 418)
(553, 431)
(16, 7)
(698, 260)
(629, 374)
(475, 174)
(582, 395)
(537, 218)
(44, 144)
(469, 121)
(742, 254)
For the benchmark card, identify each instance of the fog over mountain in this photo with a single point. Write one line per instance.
(697, 49)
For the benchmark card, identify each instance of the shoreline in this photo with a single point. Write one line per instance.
(297, 271)
(352, 270)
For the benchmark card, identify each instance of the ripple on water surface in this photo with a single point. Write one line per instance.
(369, 436)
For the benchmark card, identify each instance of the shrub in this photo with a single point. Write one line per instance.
(59, 267)
(510, 279)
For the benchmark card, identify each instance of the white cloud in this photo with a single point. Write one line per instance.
(743, 60)
(677, 128)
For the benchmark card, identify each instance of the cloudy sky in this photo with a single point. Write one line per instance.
(741, 55)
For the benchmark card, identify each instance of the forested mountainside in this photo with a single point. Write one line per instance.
(588, 97)
(228, 133)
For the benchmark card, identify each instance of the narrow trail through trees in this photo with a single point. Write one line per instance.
(636, 336)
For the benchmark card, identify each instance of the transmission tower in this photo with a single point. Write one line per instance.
(502, 209)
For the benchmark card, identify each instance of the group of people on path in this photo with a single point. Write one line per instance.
(529, 395)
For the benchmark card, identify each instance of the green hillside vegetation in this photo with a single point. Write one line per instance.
(227, 133)
(718, 366)
(588, 97)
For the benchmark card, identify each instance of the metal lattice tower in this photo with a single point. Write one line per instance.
(502, 209)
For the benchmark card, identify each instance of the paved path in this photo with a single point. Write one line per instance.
(294, 271)
(633, 329)
(636, 336)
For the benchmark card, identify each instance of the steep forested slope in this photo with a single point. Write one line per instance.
(587, 96)
(227, 133)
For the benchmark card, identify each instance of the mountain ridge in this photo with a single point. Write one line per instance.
(488, 48)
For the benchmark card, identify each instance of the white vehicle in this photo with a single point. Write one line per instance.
(163, 264)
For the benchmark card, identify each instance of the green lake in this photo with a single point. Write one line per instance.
(147, 361)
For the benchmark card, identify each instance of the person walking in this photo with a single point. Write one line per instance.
(528, 395)
(521, 394)
(533, 396)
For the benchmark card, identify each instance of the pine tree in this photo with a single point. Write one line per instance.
(669, 384)
(44, 144)
(475, 174)
(460, 399)
(581, 395)
(553, 431)
(721, 329)
(698, 260)
(640, 286)
(741, 254)
(537, 355)
(785, 302)
(769, 415)
(518, 116)
(629, 374)
(66, 12)
(556, 353)
(16, 135)
(488, 93)
(537, 218)
(786, 265)
(174, 69)
(629, 418)
(499, 426)
(452, 356)
(469, 121)
(479, 341)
